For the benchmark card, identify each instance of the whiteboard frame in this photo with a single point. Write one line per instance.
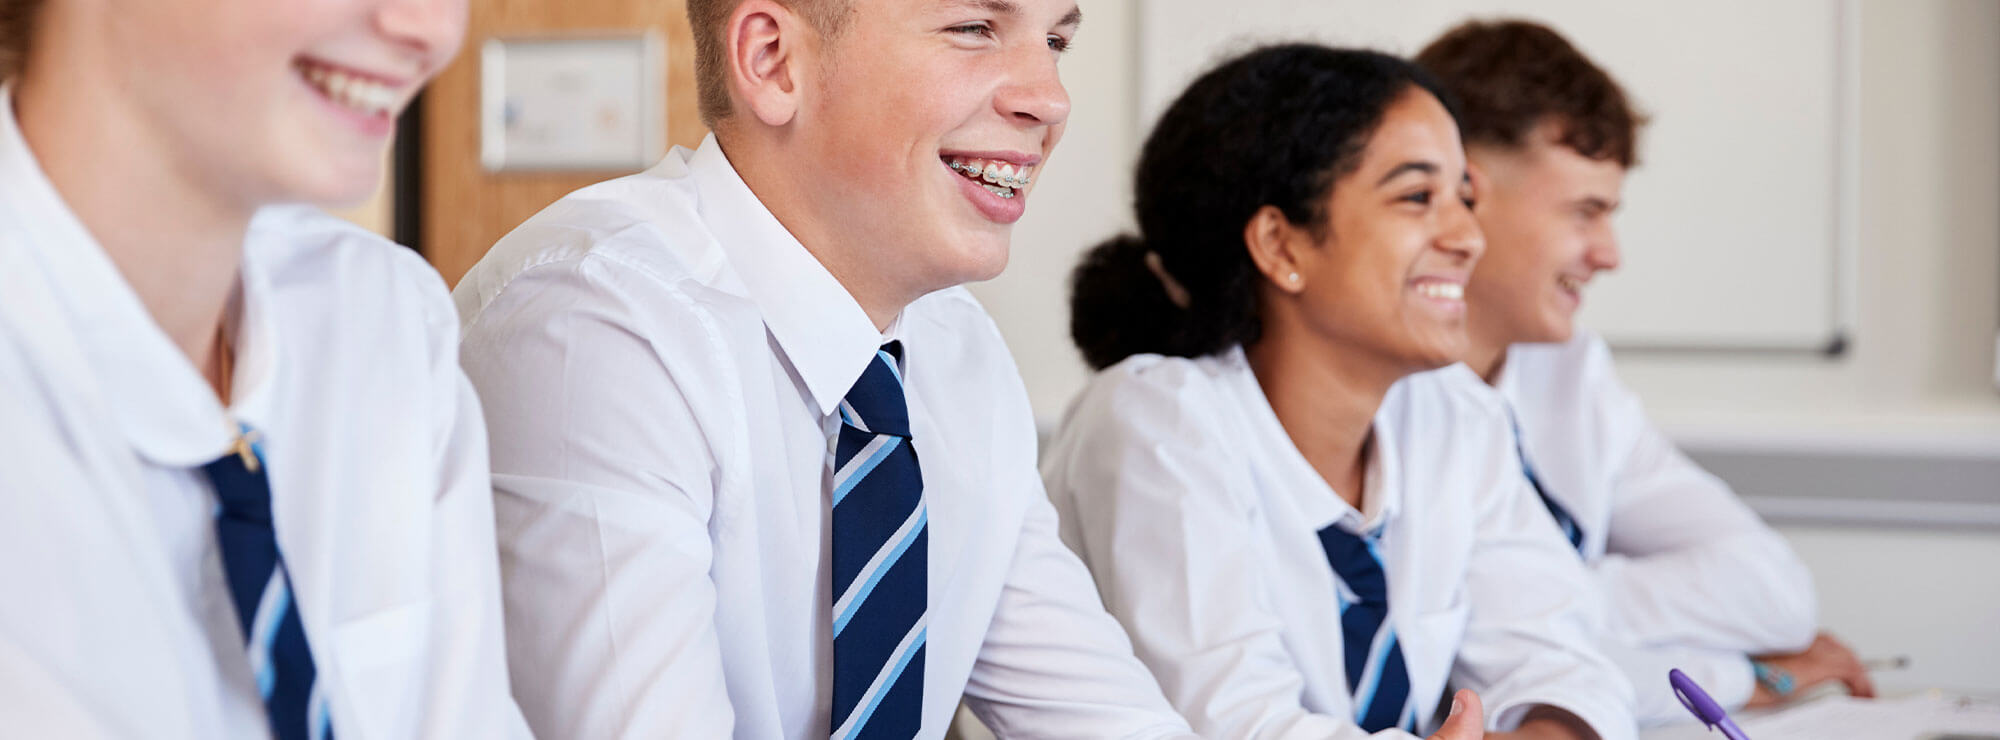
(1846, 263)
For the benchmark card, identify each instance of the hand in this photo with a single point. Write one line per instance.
(1467, 720)
(1825, 660)
(1548, 723)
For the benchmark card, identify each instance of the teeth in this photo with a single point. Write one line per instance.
(1001, 178)
(1570, 284)
(1445, 291)
(358, 93)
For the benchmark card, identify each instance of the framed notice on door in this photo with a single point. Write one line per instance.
(575, 102)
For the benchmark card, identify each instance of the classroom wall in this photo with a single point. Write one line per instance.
(1922, 354)
(1929, 273)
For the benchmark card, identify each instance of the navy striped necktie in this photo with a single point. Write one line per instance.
(1570, 529)
(881, 546)
(1377, 676)
(280, 658)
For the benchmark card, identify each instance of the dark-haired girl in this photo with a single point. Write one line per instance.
(1306, 535)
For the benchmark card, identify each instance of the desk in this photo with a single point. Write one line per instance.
(1959, 712)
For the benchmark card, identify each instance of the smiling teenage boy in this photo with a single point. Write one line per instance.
(1693, 579)
(761, 468)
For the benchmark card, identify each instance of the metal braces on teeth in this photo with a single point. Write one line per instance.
(1009, 181)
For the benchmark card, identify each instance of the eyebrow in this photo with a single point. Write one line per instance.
(1428, 168)
(1008, 7)
(1073, 18)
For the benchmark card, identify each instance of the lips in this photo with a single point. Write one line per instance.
(995, 182)
(1001, 177)
(354, 90)
(1442, 290)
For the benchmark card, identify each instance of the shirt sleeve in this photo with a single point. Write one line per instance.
(1725, 675)
(1531, 636)
(1052, 657)
(468, 691)
(1155, 513)
(602, 496)
(1686, 562)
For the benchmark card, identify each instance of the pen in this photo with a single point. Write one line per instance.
(1704, 708)
(1887, 664)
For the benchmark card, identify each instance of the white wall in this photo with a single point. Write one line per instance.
(1922, 355)
(1929, 274)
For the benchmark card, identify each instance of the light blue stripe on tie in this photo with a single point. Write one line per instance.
(891, 362)
(884, 559)
(1373, 679)
(883, 683)
(852, 417)
(271, 608)
(319, 725)
(844, 485)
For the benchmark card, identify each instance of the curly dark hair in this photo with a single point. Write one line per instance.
(17, 19)
(1275, 126)
(1511, 75)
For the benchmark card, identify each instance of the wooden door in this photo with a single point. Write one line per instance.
(463, 208)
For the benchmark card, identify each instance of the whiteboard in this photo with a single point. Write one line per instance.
(1738, 227)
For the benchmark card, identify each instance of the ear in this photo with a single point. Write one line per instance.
(1278, 247)
(762, 48)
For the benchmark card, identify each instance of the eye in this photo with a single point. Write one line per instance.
(1421, 197)
(981, 28)
(1058, 44)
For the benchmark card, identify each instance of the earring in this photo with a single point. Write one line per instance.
(1292, 278)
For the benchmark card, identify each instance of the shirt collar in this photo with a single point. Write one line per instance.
(1312, 497)
(818, 325)
(1506, 382)
(162, 404)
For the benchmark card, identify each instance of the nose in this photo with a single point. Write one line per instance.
(1461, 236)
(1603, 254)
(430, 29)
(1033, 94)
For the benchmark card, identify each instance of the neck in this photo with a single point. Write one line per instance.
(1325, 398)
(773, 178)
(1486, 357)
(178, 245)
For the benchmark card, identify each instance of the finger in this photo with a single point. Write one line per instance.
(1467, 720)
(1859, 683)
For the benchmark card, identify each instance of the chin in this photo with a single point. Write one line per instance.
(340, 191)
(983, 257)
(1554, 332)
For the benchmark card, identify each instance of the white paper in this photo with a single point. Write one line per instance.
(1908, 718)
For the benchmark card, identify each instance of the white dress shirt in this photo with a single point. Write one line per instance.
(661, 362)
(119, 622)
(1200, 520)
(1691, 577)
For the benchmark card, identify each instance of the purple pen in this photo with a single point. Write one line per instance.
(1704, 708)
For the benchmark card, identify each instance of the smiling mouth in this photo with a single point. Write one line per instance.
(350, 89)
(1001, 178)
(1442, 291)
(1570, 284)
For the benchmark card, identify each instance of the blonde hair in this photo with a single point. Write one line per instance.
(16, 26)
(706, 19)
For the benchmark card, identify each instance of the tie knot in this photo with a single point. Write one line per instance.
(238, 477)
(1353, 559)
(876, 404)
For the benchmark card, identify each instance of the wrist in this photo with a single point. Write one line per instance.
(1777, 681)
(1546, 722)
